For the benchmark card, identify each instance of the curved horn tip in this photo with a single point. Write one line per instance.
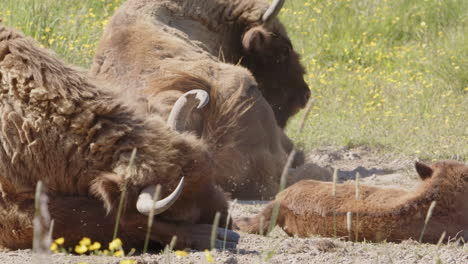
(145, 199)
(201, 95)
(183, 107)
(272, 11)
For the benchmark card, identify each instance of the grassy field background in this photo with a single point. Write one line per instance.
(387, 74)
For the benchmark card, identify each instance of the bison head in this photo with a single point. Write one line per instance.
(177, 120)
(269, 54)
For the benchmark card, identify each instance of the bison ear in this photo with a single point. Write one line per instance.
(256, 40)
(107, 188)
(423, 170)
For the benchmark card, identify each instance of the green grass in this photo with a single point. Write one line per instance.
(71, 28)
(388, 74)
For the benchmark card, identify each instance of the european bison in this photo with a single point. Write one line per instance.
(306, 208)
(76, 135)
(136, 52)
(236, 31)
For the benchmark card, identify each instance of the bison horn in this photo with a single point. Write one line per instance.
(272, 11)
(145, 199)
(184, 106)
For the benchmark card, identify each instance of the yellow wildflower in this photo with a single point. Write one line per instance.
(128, 261)
(181, 253)
(47, 29)
(116, 244)
(95, 246)
(86, 241)
(54, 247)
(208, 256)
(59, 241)
(81, 249)
(119, 253)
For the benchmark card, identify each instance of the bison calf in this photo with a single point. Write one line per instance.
(306, 208)
(76, 135)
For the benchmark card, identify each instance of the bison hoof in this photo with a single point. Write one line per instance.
(232, 238)
(199, 238)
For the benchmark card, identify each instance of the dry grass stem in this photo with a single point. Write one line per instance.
(151, 218)
(228, 217)
(262, 224)
(335, 178)
(426, 221)
(358, 196)
(123, 193)
(168, 249)
(441, 239)
(42, 233)
(214, 230)
(284, 173)
(349, 216)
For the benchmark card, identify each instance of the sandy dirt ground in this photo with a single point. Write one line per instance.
(376, 169)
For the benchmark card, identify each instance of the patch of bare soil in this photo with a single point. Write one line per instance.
(374, 168)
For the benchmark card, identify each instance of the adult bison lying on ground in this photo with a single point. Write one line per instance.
(237, 31)
(76, 135)
(306, 208)
(138, 50)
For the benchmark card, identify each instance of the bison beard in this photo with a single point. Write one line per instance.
(74, 134)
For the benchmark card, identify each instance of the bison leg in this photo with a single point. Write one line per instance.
(197, 236)
(260, 223)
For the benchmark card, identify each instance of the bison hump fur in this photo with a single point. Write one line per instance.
(76, 134)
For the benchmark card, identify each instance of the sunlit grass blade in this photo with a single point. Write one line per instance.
(349, 216)
(151, 218)
(228, 218)
(358, 197)
(214, 230)
(284, 173)
(335, 178)
(42, 228)
(123, 193)
(426, 221)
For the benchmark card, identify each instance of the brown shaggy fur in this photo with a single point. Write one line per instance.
(306, 208)
(135, 53)
(232, 31)
(76, 135)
